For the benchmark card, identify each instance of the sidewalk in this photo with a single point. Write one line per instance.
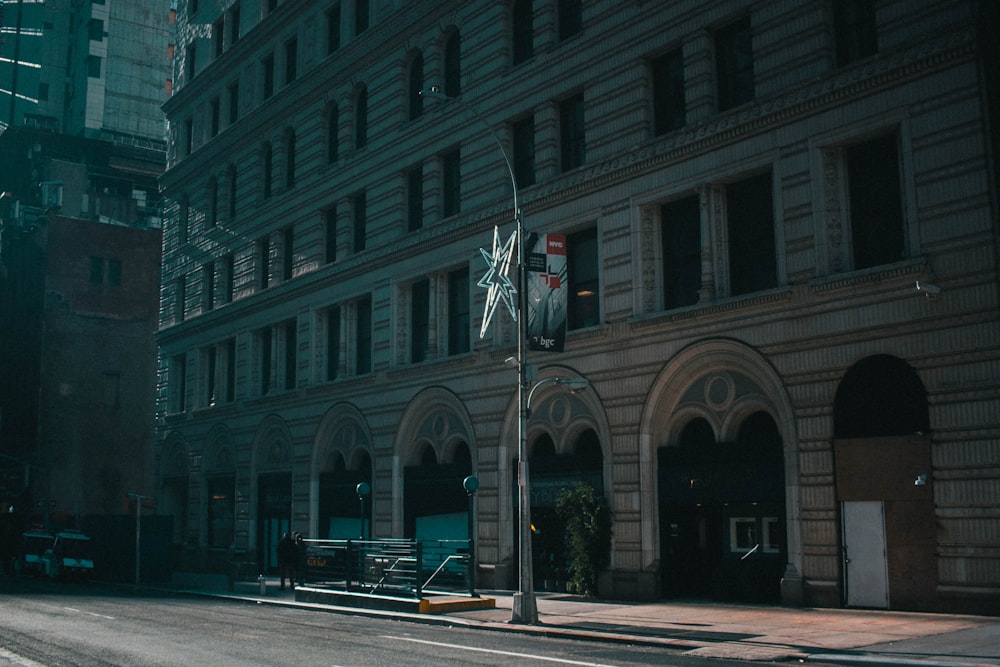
(741, 632)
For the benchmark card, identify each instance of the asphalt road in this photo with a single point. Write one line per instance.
(43, 623)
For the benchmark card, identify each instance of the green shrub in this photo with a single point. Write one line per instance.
(587, 520)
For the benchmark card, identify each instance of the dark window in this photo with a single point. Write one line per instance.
(523, 27)
(361, 119)
(572, 135)
(192, 7)
(333, 343)
(570, 18)
(583, 306)
(97, 270)
(330, 222)
(212, 364)
(360, 202)
(332, 29)
(416, 83)
(524, 151)
(214, 107)
(287, 252)
(94, 67)
(291, 60)
(854, 30)
(188, 136)
(218, 32)
(178, 372)
(271, 5)
(363, 335)
(750, 212)
(234, 23)
(668, 92)
(415, 198)
(361, 16)
(291, 350)
(332, 132)
(453, 65)
(95, 30)
(114, 272)
(290, 160)
(209, 286)
(420, 299)
(265, 360)
(268, 170)
(234, 102)
(734, 64)
(459, 319)
(681, 233)
(230, 268)
(451, 184)
(876, 202)
(267, 65)
(880, 396)
(263, 263)
(230, 394)
(190, 59)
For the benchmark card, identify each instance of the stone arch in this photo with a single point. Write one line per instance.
(723, 381)
(271, 487)
(341, 457)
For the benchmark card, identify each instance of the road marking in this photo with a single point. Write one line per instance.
(15, 659)
(89, 613)
(512, 654)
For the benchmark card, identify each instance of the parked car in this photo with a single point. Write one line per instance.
(71, 555)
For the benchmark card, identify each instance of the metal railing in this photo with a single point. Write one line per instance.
(394, 567)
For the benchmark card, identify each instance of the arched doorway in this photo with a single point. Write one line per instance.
(436, 505)
(722, 512)
(340, 507)
(884, 482)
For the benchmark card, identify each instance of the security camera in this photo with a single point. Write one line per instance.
(928, 290)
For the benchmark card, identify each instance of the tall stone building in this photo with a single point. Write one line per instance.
(781, 232)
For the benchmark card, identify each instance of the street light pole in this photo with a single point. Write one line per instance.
(523, 609)
(138, 531)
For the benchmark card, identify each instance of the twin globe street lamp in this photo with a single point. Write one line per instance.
(524, 608)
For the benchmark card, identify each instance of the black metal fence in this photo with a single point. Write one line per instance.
(398, 567)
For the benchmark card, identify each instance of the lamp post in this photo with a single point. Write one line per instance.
(471, 485)
(364, 489)
(138, 529)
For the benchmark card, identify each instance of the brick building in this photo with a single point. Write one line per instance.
(781, 224)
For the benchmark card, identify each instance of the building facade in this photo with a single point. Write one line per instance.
(781, 231)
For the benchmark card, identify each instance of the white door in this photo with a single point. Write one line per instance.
(865, 565)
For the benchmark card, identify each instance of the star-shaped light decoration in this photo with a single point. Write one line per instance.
(495, 280)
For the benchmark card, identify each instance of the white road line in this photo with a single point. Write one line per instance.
(6, 657)
(89, 613)
(512, 654)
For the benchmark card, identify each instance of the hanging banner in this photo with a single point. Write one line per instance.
(546, 268)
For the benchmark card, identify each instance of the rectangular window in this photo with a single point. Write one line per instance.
(291, 60)
(287, 252)
(570, 18)
(114, 272)
(188, 136)
(360, 202)
(332, 29)
(263, 263)
(734, 64)
(459, 320)
(234, 102)
(451, 183)
(211, 367)
(215, 109)
(363, 336)
(209, 285)
(750, 222)
(668, 92)
(523, 131)
(230, 268)
(420, 301)
(876, 202)
(361, 16)
(180, 296)
(264, 338)
(178, 377)
(291, 353)
(94, 67)
(234, 23)
(415, 198)
(330, 223)
(854, 30)
(191, 59)
(572, 135)
(680, 225)
(523, 31)
(95, 30)
(333, 343)
(97, 270)
(218, 32)
(583, 307)
(267, 72)
(229, 394)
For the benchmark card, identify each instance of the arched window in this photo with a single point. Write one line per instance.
(453, 65)
(361, 118)
(880, 396)
(416, 83)
(543, 448)
(428, 457)
(588, 452)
